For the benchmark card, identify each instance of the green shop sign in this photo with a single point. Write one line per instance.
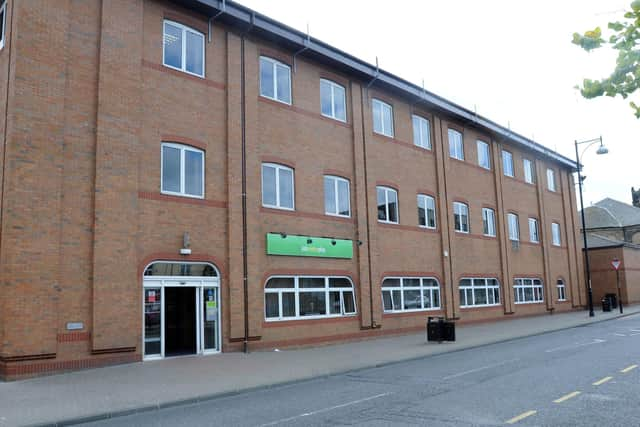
(286, 244)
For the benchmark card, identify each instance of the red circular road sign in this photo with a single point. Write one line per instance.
(615, 263)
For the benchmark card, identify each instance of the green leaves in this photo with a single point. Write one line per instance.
(590, 40)
(625, 78)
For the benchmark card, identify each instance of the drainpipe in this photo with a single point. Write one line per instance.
(364, 93)
(243, 121)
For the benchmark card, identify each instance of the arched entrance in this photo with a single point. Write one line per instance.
(181, 309)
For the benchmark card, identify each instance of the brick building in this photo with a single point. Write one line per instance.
(180, 177)
(613, 232)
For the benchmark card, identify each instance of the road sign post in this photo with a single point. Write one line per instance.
(615, 263)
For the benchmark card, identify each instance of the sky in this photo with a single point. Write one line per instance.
(510, 60)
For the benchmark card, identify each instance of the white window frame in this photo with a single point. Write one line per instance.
(386, 200)
(274, 64)
(456, 144)
(528, 171)
(297, 290)
(383, 105)
(507, 163)
(556, 237)
(479, 283)
(332, 86)
(3, 10)
(424, 200)
(551, 180)
(183, 60)
(534, 230)
(514, 227)
(520, 285)
(488, 222)
(423, 128)
(183, 149)
(483, 147)
(335, 180)
(461, 209)
(278, 167)
(561, 290)
(422, 287)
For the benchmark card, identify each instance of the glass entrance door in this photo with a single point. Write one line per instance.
(153, 309)
(210, 309)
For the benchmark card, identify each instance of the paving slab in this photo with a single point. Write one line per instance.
(106, 392)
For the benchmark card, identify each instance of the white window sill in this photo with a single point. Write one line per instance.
(337, 215)
(317, 317)
(413, 310)
(276, 100)
(189, 196)
(183, 71)
(279, 208)
(388, 222)
(334, 118)
(383, 134)
(427, 227)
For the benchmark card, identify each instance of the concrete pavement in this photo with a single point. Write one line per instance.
(101, 393)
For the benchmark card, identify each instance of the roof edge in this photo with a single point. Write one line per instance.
(252, 21)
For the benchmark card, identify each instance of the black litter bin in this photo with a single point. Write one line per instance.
(439, 329)
(613, 300)
(606, 304)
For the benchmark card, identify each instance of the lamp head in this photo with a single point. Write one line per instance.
(602, 150)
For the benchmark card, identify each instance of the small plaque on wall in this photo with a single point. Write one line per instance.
(74, 326)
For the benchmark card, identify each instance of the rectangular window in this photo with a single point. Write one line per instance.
(555, 234)
(382, 118)
(483, 154)
(421, 132)
(183, 48)
(488, 222)
(332, 100)
(337, 200)
(295, 297)
(562, 296)
(387, 205)
(461, 217)
(3, 21)
(275, 80)
(182, 170)
(456, 146)
(410, 294)
(533, 231)
(277, 186)
(476, 292)
(507, 163)
(551, 180)
(426, 211)
(529, 172)
(514, 227)
(527, 291)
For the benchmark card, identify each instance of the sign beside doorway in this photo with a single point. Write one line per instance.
(308, 246)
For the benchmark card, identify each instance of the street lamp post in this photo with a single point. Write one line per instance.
(601, 150)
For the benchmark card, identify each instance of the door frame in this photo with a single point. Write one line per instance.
(198, 284)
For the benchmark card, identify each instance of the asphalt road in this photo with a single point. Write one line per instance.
(583, 376)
